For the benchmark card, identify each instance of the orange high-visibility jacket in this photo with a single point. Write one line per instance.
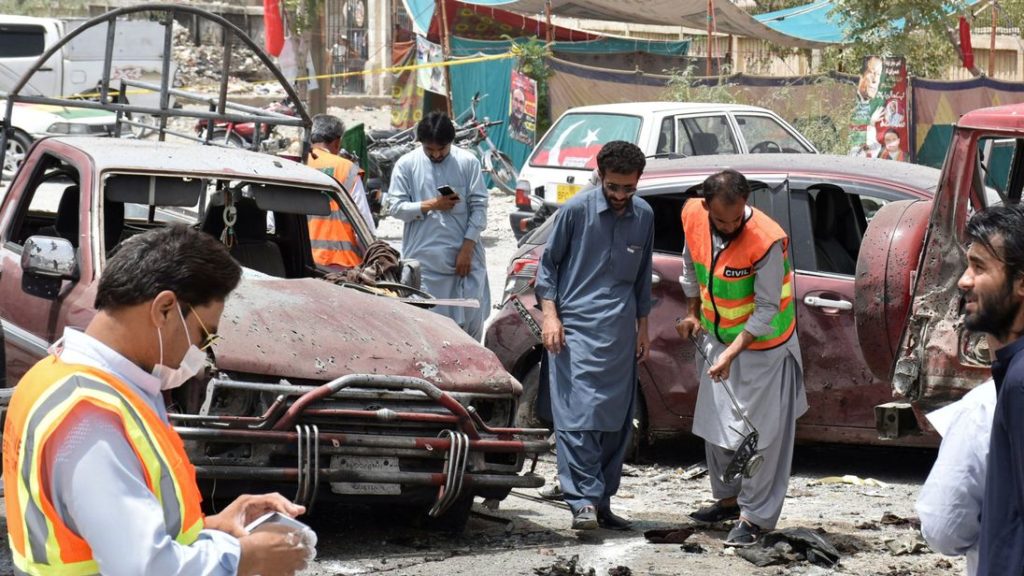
(41, 543)
(727, 280)
(333, 238)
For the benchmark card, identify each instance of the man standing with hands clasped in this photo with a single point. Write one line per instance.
(438, 191)
(738, 283)
(594, 286)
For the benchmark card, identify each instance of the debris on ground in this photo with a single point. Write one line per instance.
(869, 525)
(692, 548)
(907, 544)
(791, 545)
(563, 567)
(620, 571)
(848, 479)
(669, 535)
(890, 519)
(695, 471)
(199, 67)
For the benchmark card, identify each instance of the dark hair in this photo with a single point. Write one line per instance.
(729, 186)
(621, 157)
(192, 264)
(436, 128)
(892, 131)
(326, 129)
(1007, 223)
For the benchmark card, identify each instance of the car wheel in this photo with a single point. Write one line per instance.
(527, 415)
(18, 144)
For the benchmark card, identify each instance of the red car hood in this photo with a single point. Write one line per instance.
(311, 329)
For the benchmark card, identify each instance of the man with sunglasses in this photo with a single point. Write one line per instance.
(738, 283)
(96, 479)
(594, 286)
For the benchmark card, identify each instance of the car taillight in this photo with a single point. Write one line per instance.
(523, 195)
(521, 274)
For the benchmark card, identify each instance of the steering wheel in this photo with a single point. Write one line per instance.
(766, 147)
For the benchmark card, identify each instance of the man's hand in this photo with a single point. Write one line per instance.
(464, 261)
(643, 346)
(688, 327)
(247, 508)
(268, 553)
(553, 333)
(720, 371)
(440, 202)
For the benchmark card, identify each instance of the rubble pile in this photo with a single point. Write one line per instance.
(199, 68)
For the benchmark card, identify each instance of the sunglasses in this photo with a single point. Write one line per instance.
(620, 188)
(208, 339)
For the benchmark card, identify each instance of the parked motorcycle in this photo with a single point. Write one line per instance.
(242, 135)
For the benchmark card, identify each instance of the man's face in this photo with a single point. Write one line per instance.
(874, 74)
(200, 328)
(518, 103)
(619, 189)
(436, 152)
(726, 219)
(991, 299)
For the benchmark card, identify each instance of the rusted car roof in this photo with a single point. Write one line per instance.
(129, 155)
(889, 172)
(1000, 118)
(311, 329)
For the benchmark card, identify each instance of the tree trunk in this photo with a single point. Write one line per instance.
(952, 37)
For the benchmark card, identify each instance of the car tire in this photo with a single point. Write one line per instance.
(17, 150)
(527, 416)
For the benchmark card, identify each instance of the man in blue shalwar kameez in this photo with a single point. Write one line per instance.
(594, 286)
(443, 231)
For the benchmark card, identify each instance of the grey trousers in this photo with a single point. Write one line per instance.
(590, 465)
(760, 498)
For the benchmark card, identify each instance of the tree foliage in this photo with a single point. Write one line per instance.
(44, 8)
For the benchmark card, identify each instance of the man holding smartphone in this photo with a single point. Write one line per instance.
(438, 191)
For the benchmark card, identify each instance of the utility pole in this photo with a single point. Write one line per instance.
(318, 97)
(992, 43)
(446, 50)
(711, 16)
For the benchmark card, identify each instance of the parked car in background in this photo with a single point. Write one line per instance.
(825, 204)
(565, 158)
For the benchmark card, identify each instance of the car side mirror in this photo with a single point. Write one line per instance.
(47, 261)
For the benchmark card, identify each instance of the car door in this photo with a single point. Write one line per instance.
(21, 44)
(49, 206)
(669, 378)
(828, 221)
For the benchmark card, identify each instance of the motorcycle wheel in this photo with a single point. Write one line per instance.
(502, 172)
(225, 138)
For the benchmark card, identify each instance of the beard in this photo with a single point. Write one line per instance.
(617, 205)
(732, 235)
(994, 313)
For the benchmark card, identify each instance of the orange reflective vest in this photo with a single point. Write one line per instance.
(727, 279)
(41, 543)
(332, 237)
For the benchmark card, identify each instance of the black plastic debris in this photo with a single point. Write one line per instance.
(668, 535)
(791, 545)
(692, 548)
(563, 567)
(620, 571)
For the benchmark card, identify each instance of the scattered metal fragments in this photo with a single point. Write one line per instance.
(907, 544)
(669, 535)
(792, 545)
(563, 567)
(695, 471)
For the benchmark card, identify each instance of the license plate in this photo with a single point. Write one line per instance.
(565, 191)
(365, 464)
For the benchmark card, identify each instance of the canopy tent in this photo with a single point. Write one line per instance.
(814, 22)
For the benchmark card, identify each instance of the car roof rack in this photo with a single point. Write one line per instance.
(115, 99)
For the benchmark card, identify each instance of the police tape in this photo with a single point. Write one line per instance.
(389, 70)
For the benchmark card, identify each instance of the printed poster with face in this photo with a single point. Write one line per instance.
(431, 76)
(879, 126)
(522, 109)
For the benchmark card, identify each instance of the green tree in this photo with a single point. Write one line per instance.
(44, 8)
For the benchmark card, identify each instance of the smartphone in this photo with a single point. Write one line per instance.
(445, 190)
(277, 522)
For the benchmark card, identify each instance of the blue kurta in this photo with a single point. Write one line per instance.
(436, 237)
(597, 269)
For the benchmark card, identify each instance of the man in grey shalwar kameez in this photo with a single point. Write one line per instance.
(594, 285)
(443, 232)
(738, 282)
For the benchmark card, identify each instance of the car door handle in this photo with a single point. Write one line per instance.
(826, 303)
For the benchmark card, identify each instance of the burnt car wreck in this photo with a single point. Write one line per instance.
(326, 390)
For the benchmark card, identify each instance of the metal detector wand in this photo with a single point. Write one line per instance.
(724, 383)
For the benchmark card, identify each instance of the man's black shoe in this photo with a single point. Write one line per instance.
(743, 534)
(716, 513)
(607, 519)
(585, 518)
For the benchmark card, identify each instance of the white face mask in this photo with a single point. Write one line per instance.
(892, 146)
(193, 361)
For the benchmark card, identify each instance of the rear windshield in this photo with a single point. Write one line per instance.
(574, 141)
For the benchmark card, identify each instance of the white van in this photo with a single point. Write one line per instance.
(565, 158)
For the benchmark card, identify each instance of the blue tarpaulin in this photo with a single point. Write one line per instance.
(679, 48)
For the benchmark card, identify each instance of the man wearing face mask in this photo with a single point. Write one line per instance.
(738, 282)
(442, 231)
(594, 286)
(96, 479)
